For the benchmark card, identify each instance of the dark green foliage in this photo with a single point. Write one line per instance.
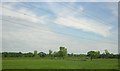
(42, 54)
(12, 54)
(93, 54)
(50, 52)
(106, 55)
(28, 54)
(35, 53)
(62, 52)
(56, 54)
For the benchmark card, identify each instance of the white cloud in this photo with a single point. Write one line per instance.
(23, 14)
(85, 25)
(36, 38)
(66, 16)
(32, 39)
(41, 40)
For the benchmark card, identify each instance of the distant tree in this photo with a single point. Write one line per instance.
(102, 55)
(72, 54)
(35, 53)
(4, 54)
(111, 55)
(93, 54)
(20, 54)
(118, 56)
(42, 54)
(56, 54)
(62, 52)
(50, 52)
(97, 54)
(28, 54)
(107, 54)
(106, 51)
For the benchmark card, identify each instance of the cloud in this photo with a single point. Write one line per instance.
(23, 38)
(38, 39)
(24, 14)
(65, 9)
(67, 13)
(43, 39)
(32, 39)
(18, 37)
(87, 25)
(65, 16)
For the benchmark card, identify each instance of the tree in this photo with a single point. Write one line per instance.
(20, 54)
(107, 54)
(55, 54)
(93, 54)
(106, 51)
(97, 54)
(42, 54)
(102, 55)
(35, 53)
(29, 54)
(62, 52)
(50, 52)
(4, 54)
(111, 55)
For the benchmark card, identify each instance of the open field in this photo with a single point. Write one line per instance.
(59, 64)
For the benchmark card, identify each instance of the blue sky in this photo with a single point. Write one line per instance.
(45, 26)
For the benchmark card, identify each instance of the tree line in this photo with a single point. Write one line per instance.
(62, 53)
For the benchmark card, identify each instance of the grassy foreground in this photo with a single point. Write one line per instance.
(59, 64)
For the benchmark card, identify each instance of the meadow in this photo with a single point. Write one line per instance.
(32, 63)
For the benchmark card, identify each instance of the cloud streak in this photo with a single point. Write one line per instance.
(66, 16)
(25, 33)
(86, 25)
(23, 14)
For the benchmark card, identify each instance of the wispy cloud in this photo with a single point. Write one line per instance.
(86, 25)
(66, 16)
(23, 13)
(37, 38)
(43, 37)
(65, 9)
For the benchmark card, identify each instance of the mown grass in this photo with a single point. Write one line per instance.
(59, 64)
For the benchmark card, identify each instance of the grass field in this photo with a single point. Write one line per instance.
(59, 64)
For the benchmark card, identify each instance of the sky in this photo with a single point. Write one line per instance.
(44, 26)
(60, 0)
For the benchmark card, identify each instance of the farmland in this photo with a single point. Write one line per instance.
(33, 63)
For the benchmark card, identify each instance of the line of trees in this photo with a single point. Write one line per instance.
(104, 55)
(62, 53)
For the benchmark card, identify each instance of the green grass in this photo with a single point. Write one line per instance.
(59, 64)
